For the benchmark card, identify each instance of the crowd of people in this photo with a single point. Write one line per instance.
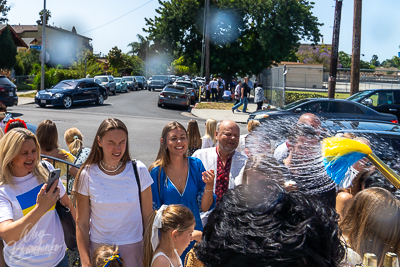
(217, 90)
(222, 199)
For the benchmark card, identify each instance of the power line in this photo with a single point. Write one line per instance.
(118, 17)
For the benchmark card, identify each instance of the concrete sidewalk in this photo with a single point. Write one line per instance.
(25, 100)
(220, 115)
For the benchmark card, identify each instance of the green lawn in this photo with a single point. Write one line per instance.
(32, 95)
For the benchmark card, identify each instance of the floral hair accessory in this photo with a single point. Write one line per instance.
(19, 121)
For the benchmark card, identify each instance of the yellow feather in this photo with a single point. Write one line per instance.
(339, 146)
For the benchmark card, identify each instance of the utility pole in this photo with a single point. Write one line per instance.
(203, 41)
(355, 59)
(207, 39)
(43, 46)
(335, 50)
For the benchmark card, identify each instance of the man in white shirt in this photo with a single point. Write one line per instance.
(214, 89)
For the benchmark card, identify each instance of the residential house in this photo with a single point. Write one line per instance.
(62, 45)
(19, 43)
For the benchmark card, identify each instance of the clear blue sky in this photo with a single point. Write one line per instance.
(380, 22)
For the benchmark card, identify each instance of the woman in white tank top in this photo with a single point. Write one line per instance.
(176, 224)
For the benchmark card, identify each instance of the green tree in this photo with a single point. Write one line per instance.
(245, 36)
(8, 50)
(26, 59)
(374, 61)
(93, 67)
(181, 67)
(3, 10)
(139, 48)
(48, 16)
(344, 60)
(115, 59)
(134, 65)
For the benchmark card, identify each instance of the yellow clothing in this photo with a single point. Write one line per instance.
(63, 166)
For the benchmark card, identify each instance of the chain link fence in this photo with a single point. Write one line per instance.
(24, 82)
(313, 79)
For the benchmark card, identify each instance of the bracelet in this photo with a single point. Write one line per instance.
(210, 190)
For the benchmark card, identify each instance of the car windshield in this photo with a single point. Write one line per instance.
(292, 105)
(159, 77)
(128, 79)
(138, 78)
(66, 85)
(359, 95)
(103, 79)
(174, 90)
(117, 80)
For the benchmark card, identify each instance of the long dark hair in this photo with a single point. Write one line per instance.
(96, 153)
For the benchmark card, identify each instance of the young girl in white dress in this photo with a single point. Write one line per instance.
(176, 224)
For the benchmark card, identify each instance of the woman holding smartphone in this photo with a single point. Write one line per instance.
(29, 224)
(110, 208)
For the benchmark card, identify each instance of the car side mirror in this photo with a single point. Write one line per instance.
(367, 102)
(297, 110)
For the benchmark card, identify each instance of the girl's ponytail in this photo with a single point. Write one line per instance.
(147, 247)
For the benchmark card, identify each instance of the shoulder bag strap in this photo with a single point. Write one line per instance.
(138, 183)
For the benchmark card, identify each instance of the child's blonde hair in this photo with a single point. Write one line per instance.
(107, 255)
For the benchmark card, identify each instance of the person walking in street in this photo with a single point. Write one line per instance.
(237, 93)
(221, 87)
(259, 97)
(179, 179)
(244, 90)
(113, 196)
(214, 89)
(208, 91)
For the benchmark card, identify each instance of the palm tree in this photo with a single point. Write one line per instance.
(139, 48)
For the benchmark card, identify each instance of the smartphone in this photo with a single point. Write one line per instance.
(54, 175)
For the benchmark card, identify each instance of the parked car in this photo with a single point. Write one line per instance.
(8, 92)
(158, 82)
(325, 108)
(121, 85)
(381, 134)
(191, 87)
(132, 82)
(68, 92)
(141, 82)
(108, 82)
(381, 100)
(174, 95)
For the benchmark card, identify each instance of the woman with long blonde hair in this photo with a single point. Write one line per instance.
(113, 203)
(371, 225)
(194, 137)
(176, 224)
(208, 139)
(179, 179)
(29, 225)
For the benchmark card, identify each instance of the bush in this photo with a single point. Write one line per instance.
(54, 76)
(292, 97)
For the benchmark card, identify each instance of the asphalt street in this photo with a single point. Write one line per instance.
(137, 109)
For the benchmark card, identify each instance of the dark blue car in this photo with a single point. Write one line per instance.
(68, 92)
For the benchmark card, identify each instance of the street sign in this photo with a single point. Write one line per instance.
(37, 47)
(47, 57)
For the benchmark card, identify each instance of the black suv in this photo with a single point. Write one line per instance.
(141, 81)
(8, 92)
(381, 100)
(67, 92)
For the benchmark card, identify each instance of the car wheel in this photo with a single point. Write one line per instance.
(114, 92)
(42, 105)
(100, 100)
(67, 102)
(149, 88)
(159, 104)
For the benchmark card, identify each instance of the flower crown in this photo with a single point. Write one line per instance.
(14, 120)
